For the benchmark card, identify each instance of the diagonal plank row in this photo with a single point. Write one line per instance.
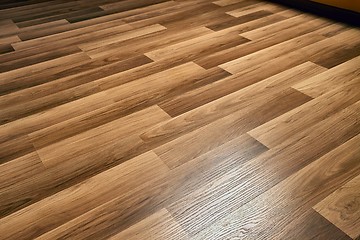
(177, 119)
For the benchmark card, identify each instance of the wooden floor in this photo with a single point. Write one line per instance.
(177, 119)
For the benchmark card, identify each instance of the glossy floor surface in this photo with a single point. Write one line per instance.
(177, 119)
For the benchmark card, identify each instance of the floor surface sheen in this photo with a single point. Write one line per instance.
(177, 119)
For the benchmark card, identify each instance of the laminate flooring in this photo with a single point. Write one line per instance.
(177, 119)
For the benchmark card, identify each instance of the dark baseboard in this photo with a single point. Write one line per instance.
(334, 13)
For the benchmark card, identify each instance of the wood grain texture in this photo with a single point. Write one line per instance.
(296, 194)
(334, 77)
(193, 212)
(148, 198)
(204, 139)
(74, 200)
(280, 129)
(160, 225)
(341, 208)
(177, 119)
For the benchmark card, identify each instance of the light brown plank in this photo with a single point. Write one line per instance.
(286, 51)
(325, 82)
(194, 47)
(255, 8)
(267, 41)
(160, 225)
(341, 208)
(121, 37)
(101, 142)
(74, 36)
(20, 168)
(293, 122)
(146, 43)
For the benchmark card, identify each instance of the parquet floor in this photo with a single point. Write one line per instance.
(177, 119)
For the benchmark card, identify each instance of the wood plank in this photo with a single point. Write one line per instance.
(248, 97)
(78, 147)
(128, 5)
(37, 58)
(155, 195)
(28, 53)
(14, 111)
(255, 8)
(6, 48)
(61, 172)
(276, 131)
(15, 147)
(335, 77)
(237, 188)
(210, 92)
(30, 7)
(261, 18)
(121, 37)
(288, 13)
(281, 26)
(224, 3)
(19, 169)
(53, 72)
(160, 225)
(9, 40)
(350, 36)
(8, 27)
(126, 101)
(72, 202)
(174, 18)
(216, 18)
(333, 29)
(53, 116)
(313, 226)
(122, 106)
(8, 80)
(340, 52)
(196, 97)
(146, 43)
(337, 56)
(296, 194)
(34, 8)
(183, 74)
(26, 31)
(157, 10)
(74, 36)
(256, 45)
(49, 95)
(114, 14)
(186, 50)
(291, 49)
(57, 16)
(66, 78)
(62, 27)
(48, 12)
(215, 134)
(341, 208)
